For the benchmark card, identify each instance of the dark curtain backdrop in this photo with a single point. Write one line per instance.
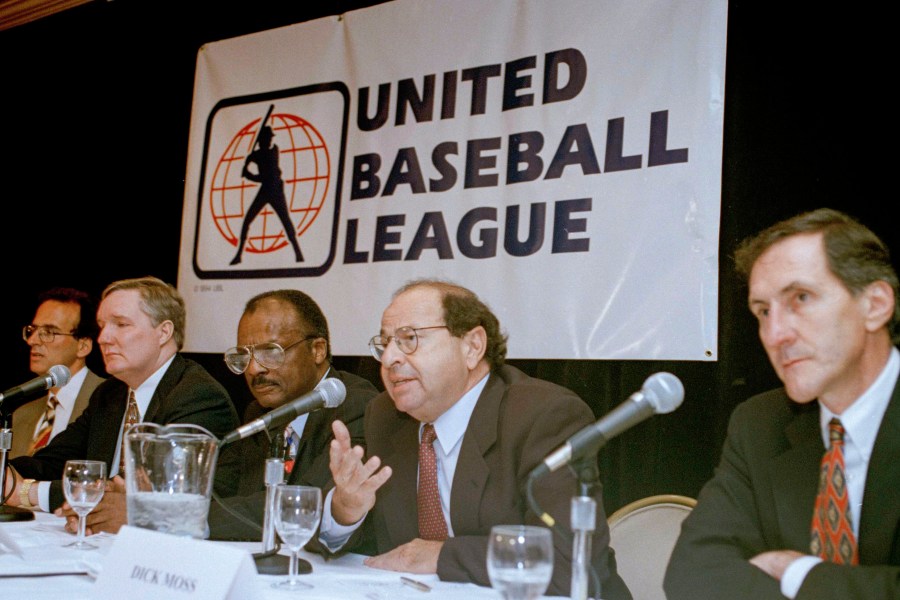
(89, 93)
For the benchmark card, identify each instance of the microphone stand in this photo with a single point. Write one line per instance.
(8, 513)
(583, 521)
(268, 561)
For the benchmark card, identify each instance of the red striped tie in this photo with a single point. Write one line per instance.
(42, 437)
(832, 534)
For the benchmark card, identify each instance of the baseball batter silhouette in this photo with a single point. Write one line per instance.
(271, 190)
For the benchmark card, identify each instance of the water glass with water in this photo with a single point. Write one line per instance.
(520, 560)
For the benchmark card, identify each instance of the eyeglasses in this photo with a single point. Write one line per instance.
(45, 335)
(407, 339)
(268, 354)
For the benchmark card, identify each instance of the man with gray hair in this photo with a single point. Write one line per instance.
(142, 325)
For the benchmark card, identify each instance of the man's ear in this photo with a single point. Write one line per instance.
(475, 342)
(166, 331)
(879, 304)
(319, 350)
(85, 345)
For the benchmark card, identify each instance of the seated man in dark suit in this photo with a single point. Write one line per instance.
(142, 324)
(782, 517)
(284, 351)
(442, 362)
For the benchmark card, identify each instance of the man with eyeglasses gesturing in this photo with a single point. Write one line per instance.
(284, 352)
(450, 445)
(62, 332)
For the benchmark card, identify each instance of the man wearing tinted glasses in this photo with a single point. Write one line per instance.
(62, 332)
(283, 352)
(450, 445)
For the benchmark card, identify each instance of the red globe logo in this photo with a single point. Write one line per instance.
(305, 170)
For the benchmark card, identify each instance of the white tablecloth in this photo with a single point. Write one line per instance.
(31, 568)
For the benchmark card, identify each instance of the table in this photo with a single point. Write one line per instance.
(41, 543)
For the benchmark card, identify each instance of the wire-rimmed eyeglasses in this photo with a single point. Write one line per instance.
(45, 334)
(407, 339)
(267, 354)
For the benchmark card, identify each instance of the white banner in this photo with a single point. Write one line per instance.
(560, 158)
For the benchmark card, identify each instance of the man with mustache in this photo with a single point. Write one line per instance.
(284, 352)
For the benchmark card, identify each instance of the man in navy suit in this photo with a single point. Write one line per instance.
(142, 325)
(824, 292)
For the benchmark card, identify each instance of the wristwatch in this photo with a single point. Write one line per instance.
(24, 489)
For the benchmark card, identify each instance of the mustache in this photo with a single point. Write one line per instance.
(262, 380)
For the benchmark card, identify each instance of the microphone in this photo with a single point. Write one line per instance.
(328, 394)
(661, 393)
(58, 375)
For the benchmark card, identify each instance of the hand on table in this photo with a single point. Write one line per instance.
(109, 515)
(417, 556)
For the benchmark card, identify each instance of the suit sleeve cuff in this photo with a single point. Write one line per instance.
(44, 495)
(796, 572)
(332, 534)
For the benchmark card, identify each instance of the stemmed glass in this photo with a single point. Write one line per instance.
(298, 510)
(84, 482)
(520, 560)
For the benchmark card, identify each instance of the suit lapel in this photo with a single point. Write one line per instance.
(168, 381)
(399, 496)
(880, 510)
(795, 478)
(472, 471)
(114, 411)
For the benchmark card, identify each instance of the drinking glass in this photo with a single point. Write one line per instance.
(298, 510)
(520, 560)
(84, 482)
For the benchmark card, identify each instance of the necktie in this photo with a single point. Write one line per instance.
(42, 437)
(291, 442)
(432, 525)
(832, 534)
(132, 417)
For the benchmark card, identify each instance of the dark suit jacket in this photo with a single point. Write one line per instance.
(26, 417)
(518, 420)
(310, 467)
(761, 498)
(187, 393)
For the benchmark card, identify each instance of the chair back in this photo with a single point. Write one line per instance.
(643, 534)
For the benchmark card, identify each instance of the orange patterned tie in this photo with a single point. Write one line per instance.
(42, 437)
(432, 525)
(832, 535)
(132, 417)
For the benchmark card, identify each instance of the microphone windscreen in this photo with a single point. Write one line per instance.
(333, 391)
(60, 375)
(664, 391)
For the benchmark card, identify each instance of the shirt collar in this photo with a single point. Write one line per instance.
(69, 392)
(144, 393)
(451, 426)
(862, 419)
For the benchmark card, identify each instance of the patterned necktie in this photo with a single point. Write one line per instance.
(42, 437)
(832, 534)
(432, 525)
(132, 417)
(291, 442)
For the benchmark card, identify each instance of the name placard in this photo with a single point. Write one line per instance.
(143, 564)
